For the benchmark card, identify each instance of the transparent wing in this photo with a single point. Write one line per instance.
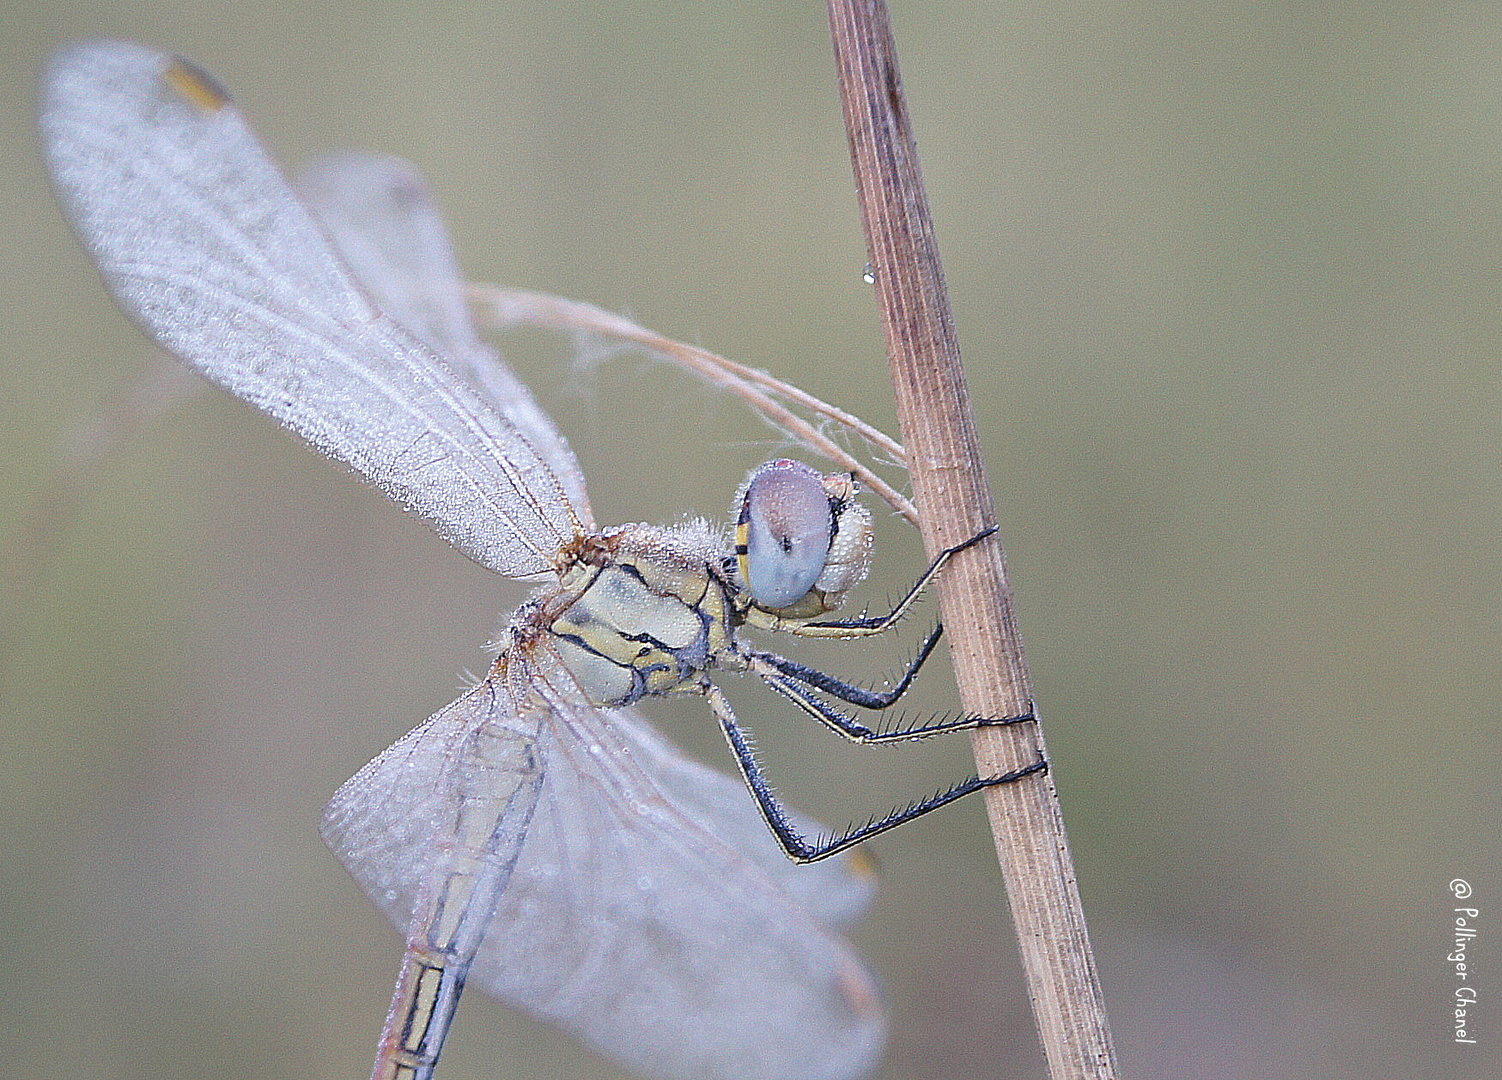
(630, 917)
(400, 822)
(432, 828)
(205, 245)
(836, 891)
(384, 223)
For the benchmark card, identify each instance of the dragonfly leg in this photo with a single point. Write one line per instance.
(801, 848)
(798, 689)
(869, 625)
(765, 663)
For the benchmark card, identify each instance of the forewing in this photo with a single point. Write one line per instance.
(205, 245)
(382, 219)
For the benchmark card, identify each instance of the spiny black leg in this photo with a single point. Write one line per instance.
(851, 728)
(772, 810)
(833, 844)
(798, 847)
(876, 624)
(864, 697)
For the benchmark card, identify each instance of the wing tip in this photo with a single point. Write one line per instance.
(76, 72)
(196, 86)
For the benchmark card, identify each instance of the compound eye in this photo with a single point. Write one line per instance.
(783, 532)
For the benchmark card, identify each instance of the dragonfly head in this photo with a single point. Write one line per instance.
(802, 541)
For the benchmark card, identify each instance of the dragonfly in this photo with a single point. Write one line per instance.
(536, 837)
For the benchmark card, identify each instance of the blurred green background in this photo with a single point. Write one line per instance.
(1227, 279)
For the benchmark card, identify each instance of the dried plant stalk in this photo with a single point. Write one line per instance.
(954, 503)
(502, 309)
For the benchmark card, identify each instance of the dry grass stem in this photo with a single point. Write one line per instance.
(954, 500)
(505, 309)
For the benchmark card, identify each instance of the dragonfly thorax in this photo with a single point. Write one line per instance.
(645, 614)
